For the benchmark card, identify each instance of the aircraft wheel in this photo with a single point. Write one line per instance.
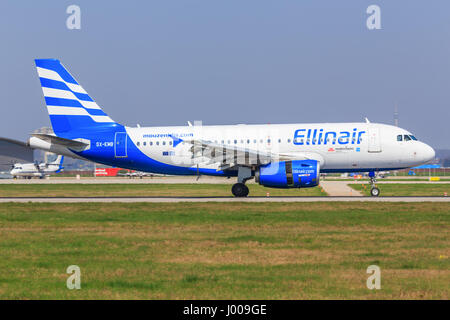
(239, 190)
(375, 192)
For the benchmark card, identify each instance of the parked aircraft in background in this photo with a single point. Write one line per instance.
(278, 156)
(30, 170)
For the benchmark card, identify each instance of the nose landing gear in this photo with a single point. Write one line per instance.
(374, 191)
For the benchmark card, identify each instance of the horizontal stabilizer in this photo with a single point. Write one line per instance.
(73, 144)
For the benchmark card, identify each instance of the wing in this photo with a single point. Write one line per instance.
(230, 157)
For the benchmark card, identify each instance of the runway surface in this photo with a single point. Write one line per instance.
(225, 199)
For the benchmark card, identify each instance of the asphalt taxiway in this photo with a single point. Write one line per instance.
(221, 199)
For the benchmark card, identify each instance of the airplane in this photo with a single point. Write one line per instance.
(277, 156)
(29, 170)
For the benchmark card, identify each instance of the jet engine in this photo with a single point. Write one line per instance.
(289, 174)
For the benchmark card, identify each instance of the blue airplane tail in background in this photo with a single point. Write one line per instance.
(69, 106)
(56, 164)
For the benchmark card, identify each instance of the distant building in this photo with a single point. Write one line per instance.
(428, 166)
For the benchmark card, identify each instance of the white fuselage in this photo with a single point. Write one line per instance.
(30, 170)
(338, 146)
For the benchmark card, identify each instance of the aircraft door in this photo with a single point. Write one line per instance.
(374, 140)
(120, 145)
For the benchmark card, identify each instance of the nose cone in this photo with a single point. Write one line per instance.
(427, 153)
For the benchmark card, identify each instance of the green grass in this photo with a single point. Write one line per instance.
(404, 189)
(225, 250)
(143, 190)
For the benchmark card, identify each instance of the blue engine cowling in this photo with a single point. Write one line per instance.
(290, 174)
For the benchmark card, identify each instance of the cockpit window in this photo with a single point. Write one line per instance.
(399, 137)
(407, 138)
(414, 138)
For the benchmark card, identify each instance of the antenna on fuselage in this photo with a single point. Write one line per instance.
(189, 124)
(367, 120)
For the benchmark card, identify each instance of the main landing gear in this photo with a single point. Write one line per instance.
(239, 189)
(374, 191)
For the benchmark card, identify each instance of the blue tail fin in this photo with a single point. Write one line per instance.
(69, 106)
(58, 161)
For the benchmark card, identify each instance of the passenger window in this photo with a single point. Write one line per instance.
(145, 143)
(164, 143)
(157, 143)
(289, 140)
(407, 138)
(138, 143)
(399, 137)
(170, 143)
(151, 143)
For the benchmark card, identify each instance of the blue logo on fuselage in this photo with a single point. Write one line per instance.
(319, 137)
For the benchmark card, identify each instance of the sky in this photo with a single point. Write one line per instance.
(158, 63)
